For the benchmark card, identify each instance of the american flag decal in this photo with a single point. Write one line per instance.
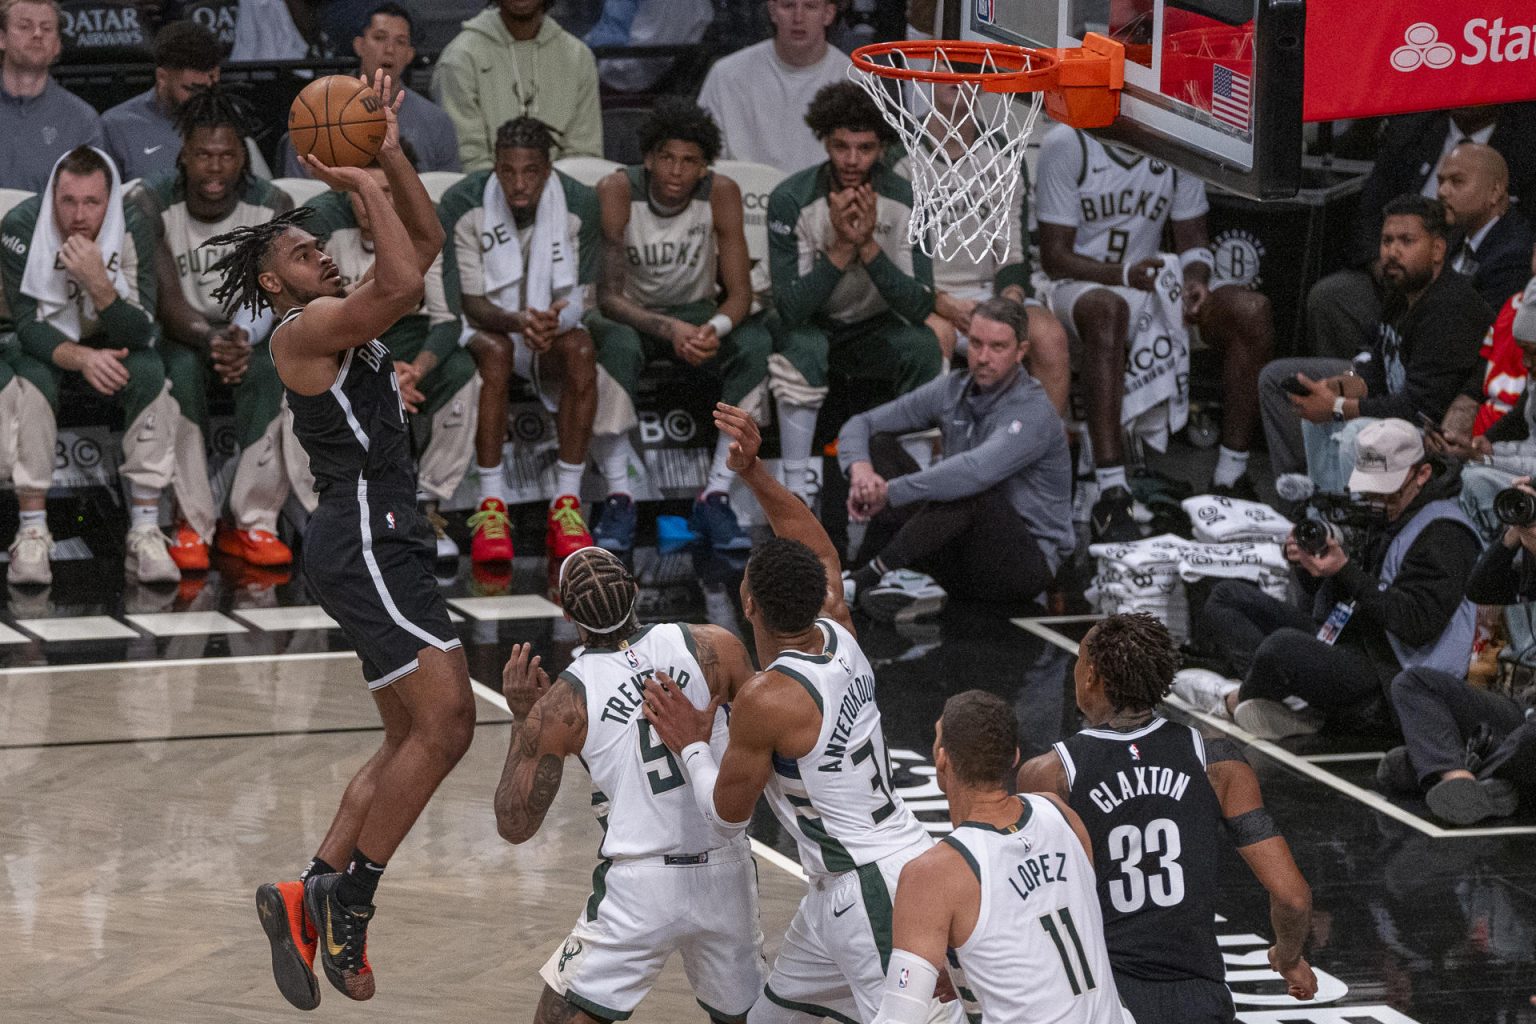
(1229, 97)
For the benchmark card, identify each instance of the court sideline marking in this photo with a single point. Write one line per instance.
(1042, 628)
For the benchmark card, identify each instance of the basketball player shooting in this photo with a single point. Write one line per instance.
(368, 552)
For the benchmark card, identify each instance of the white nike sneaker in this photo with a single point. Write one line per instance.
(1205, 690)
(1273, 720)
(903, 595)
(30, 552)
(148, 556)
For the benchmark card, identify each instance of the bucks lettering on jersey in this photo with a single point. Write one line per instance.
(1117, 200)
(837, 800)
(1037, 952)
(1156, 826)
(164, 198)
(671, 258)
(640, 793)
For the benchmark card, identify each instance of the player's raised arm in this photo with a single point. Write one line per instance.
(417, 211)
(551, 723)
(787, 514)
(727, 665)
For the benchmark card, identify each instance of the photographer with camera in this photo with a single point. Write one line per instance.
(1468, 749)
(1391, 599)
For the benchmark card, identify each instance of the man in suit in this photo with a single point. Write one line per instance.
(1492, 245)
(1344, 307)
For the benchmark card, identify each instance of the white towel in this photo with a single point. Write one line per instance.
(1156, 402)
(61, 301)
(551, 263)
(1222, 520)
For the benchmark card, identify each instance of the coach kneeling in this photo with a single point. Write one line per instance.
(992, 518)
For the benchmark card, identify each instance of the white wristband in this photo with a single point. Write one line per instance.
(1199, 254)
(699, 763)
(721, 323)
(909, 985)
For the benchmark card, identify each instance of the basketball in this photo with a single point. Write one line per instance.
(339, 120)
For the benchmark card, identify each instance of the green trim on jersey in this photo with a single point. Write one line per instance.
(810, 1008)
(690, 642)
(1024, 817)
(877, 906)
(960, 848)
(965, 994)
(597, 1010)
(575, 683)
(729, 1018)
(810, 687)
(833, 853)
(630, 640)
(599, 889)
(828, 649)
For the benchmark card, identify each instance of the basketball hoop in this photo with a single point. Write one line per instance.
(952, 103)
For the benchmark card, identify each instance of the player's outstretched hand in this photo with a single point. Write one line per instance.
(383, 86)
(746, 439)
(341, 179)
(673, 715)
(1301, 983)
(523, 682)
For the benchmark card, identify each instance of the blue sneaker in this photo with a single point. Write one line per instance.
(713, 519)
(616, 524)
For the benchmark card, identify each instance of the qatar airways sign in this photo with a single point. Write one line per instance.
(1361, 64)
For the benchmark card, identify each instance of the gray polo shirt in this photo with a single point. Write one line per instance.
(424, 124)
(37, 130)
(141, 137)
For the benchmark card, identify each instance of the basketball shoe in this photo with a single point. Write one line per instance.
(491, 536)
(343, 937)
(257, 547)
(280, 905)
(187, 549)
(567, 531)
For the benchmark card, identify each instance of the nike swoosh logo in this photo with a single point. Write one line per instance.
(332, 947)
(151, 150)
(840, 913)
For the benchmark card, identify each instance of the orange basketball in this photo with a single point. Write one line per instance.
(339, 120)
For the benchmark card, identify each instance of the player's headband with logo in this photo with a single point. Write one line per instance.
(597, 552)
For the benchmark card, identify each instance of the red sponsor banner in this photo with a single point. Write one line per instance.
(1365, 59)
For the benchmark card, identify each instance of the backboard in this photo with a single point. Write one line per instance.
(1211, 86)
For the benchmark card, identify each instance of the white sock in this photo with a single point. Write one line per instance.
(490, 483)
(719, 479)
(797, 429)
(1110, 476)
(567, 479)
(1230, 467)
(143, 515)
(618, 462)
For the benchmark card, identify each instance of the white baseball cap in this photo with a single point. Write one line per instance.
(1385, 453)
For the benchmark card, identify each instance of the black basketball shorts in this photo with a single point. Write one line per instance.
(368, 560)
(1185, 1001)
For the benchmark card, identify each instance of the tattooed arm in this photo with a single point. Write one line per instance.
(724, 659)
(554, 727)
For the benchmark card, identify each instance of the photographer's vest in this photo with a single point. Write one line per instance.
(1451, 652)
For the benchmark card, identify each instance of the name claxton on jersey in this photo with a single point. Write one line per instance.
(1139, 781)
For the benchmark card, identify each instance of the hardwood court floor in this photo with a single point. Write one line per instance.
(141, 806)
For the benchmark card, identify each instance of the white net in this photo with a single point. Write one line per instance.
(966, 151)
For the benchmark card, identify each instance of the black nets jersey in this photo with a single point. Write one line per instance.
(1156, 824)
(355, 432)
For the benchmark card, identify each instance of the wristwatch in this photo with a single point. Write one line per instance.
(1338, 409)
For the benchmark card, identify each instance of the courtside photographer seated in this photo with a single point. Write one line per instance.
(1385, 598)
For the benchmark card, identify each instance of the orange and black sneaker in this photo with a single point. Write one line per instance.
(491, 539)
(567, 531)
(343, 937)
(280, 905)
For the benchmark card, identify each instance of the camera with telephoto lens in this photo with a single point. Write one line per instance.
(1339, 518)
(1515, 507)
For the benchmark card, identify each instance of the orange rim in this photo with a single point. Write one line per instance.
(1019, 68)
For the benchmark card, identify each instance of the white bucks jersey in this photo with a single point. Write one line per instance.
(837, 800)
(670, 258)
(1117, 200)
(639, 791)
(1037, 953)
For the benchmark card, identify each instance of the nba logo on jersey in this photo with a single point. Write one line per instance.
(901, 978)
(844, 662)
(1135, 752)
(634, 661)
(389, 520)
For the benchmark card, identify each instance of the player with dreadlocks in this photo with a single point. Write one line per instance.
(1155, 797)
(368, 550)
(669, 881)
(210, 193)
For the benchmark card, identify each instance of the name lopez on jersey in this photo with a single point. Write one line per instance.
(622, 707)
(860, 693)
(1149, 781)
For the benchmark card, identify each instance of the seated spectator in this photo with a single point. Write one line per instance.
(1492, 244)
(672, 233)
(108, 31)
(268, 30)
(141, 133)
(211, 192)
(26, 460)
(1344, 308)
(40, 120)
(1426, 349)
(851, 292)
(1393, 601)
(521, 258)
(385, 45)
(1490, 398)
(514, 61)
(1005, 269)
(755, 94)
(1102, 211)
(80, 282)
(646, 23)
(992, 519)
(1442, 715)
(438, 383)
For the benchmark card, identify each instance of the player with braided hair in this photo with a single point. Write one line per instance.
(670, 880)
(211, 192)
(520, 266)
(368, 550)
(1155, 797)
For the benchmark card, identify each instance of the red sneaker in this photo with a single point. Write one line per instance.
(280, 906)
(491, 539)
(255, 547)
(567, 531)
(188, 550)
